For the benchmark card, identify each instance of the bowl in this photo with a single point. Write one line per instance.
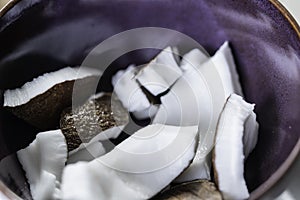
(40, 36)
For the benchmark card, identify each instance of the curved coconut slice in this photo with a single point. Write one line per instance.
(200, 189)
(95, 147)
(161, 73)
(224, 62)
(228, 158)
(138, 168)
(225, 65)
(194, 88)
(90, 152)
(193, 59)
(148, 113)
(103, 115)
(250, 134)
(200, 167)
(43, 161)
(206, 83)
(41, 101)
(197, 98)
(128, 90)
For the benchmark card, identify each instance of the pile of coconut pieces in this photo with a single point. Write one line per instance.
(200, 134)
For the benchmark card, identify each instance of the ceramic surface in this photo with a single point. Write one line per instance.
(39, 36)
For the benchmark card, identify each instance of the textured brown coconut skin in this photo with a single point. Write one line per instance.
(44, 110)
(94, 116)
(195, 190)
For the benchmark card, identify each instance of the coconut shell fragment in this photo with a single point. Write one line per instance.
(96, 115)
(41, 101)
(195, 190)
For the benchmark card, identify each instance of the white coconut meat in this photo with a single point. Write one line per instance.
(250, 134)
(94, 148)
(128, 90)
(43, 161)
(228, 152)
(198, 98)
(178, 106)
(161, 73)
(224, 63)
(138, 168)
(195, 85)
(41, 84)
(193, 59)
(195, 88)
(148, 113)
(90, 152)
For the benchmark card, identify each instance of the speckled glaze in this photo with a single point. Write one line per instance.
(39, 36)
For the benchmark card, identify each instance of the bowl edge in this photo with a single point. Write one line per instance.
(271, 181)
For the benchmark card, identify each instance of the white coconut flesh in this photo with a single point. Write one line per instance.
(197, 98)
(250, 134)
(193, 59)
(228, 151)
(128, 90)
(231, 84)
(138, 168)
(196, 87)
(161, 73)
(43, 162)
(147, 113)
(90, 152)
(41, 84)
(94, 148)
(225, 65)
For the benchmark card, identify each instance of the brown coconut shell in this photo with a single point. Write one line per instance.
(195, 190)
(94, 116)
(43, 111)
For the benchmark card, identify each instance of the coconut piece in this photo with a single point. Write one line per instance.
(96, 146)
(43, 161)
(224, 63)
(250, 134)
(194, 88)
(206, 83)
(200, 167)
(41, 101)
(193, 59)
(97, 116)
(138, 168)
(161, 73)
(197, 98)
(228, 156)
(148, 113)
(90, 152)
(128, 90)
(198, 190)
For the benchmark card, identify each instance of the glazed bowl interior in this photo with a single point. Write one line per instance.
(40, 36)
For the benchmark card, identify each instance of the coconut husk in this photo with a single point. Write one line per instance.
(43, 111)
(195, 190)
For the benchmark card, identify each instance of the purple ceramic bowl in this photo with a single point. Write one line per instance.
(39, 36)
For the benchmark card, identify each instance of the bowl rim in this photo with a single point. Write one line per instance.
(266, 185)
